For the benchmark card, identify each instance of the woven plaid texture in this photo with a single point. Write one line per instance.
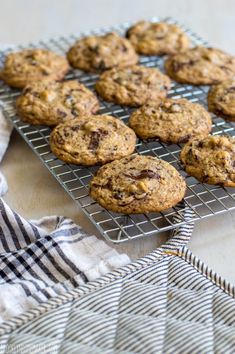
(41, 259)
(166, 302)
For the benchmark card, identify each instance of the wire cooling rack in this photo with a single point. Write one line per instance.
(203, 199)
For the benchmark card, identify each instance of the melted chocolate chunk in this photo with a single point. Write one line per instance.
(95, 139)
(101, 65)
(230, 89)
(184, 139)
(61, 113)
(144, 174)
(178, 66)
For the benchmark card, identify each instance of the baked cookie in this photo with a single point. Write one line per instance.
(91, 140)
(51, 103)
(211, 159)
(132, 86)
(99, 53)
(201, 66)
(159, 38)
(24, 67)
(221, 99)
(171, 121)
(137, 184)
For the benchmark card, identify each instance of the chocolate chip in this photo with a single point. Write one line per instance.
(144, 174)
(184, 139)
(118, 195)
(124, 48)
(95, 138)
(101, 65)
(76, 127)
(233, 164)
(178, 66)
(61, 113)
(59, 138)
(230, 89)
(200, 144)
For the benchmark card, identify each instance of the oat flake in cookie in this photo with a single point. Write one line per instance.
(91, 140)
(171, 121)
(99, 53)
(51, 103)
(201, 66)
(137, 184)
(221, 100)
(24, 67)
(133, 86)
(160, 38)
(211, 160)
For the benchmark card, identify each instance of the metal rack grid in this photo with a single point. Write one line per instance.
(205, 200)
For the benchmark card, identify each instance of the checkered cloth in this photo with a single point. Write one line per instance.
(43, 258)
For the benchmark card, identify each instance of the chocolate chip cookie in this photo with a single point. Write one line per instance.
(51, 103)
(137, 184)
(99, 53)
(132, 86)
(171, 121)
(201, 66)
(24, 67)
(159, 38)
(211, 160)
(91, 140)
(221, 99)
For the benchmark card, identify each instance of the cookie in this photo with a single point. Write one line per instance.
(29, 65)
(133, 86)
(91, 140)
(159, 38)
(171, 121)
(201, 66)
(137, 184)
(221, 99)
(211, 159)
(99, 53)
(51, 103)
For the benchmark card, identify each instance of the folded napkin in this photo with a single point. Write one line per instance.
(42, 258)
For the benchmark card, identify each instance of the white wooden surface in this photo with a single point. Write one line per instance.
(32, 190)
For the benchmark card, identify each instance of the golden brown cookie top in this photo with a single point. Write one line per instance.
(133, 86)
(201, 65)
(23, 67)
(221, 99)
(137, 184)
(51, 103)
(211, 159)
(157, 38)
(99, 53)
(91, 140)
(171, 121)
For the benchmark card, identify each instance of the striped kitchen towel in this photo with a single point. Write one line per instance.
(43, 258)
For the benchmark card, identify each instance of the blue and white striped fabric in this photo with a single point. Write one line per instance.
(44, 258)
(166, 302)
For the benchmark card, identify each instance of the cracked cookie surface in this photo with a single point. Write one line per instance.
(221, 99)
(201, 66)
(137, 184)
(99, 53)
(51, 103)
(211, 160)
(171, 121)
(91, 140)
(133, 86)
(159, 38)
(23, 67)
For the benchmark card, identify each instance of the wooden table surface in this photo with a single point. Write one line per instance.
(33, 192)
